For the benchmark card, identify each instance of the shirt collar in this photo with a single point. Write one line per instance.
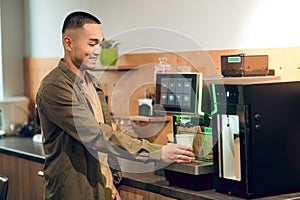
(93, 80)
(76, 79)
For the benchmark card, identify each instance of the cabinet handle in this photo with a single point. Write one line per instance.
(40, 173)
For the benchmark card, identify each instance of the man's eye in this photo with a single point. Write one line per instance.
(92, 44)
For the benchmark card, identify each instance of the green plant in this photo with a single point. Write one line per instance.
(110, 44)
(109, 52)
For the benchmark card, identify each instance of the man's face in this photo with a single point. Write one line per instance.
(86, 46)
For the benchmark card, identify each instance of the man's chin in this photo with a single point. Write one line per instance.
(92, 67)
(88, 67)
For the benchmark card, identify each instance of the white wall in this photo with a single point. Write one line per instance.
(12, 36)
(32, 28)
(180, 25)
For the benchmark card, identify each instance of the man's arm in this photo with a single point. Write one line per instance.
(69, 113)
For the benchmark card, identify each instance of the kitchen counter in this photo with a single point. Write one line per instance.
(27, 149)
(22, 147)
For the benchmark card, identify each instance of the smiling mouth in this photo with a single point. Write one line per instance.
(93, 58)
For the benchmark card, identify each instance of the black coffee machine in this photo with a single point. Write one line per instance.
(256, 132)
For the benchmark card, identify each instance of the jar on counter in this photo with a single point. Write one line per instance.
(162, 67)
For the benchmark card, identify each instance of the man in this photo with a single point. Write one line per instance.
(76, 123)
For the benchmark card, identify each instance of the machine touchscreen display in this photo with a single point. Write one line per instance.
(178, 92)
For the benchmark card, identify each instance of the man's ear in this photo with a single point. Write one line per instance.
(67, 42)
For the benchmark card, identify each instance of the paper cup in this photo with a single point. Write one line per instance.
(206, 145)
(185, 139)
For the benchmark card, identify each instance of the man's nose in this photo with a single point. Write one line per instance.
(97, 50)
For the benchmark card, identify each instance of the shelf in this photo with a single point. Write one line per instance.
(138, 118)
(251, 79)
(116, 68)
(242, 80)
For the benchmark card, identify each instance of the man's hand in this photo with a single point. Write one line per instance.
(177, 153)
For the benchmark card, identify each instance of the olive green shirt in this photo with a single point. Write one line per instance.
(72, 137)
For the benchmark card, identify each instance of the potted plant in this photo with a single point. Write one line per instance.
(109, 53)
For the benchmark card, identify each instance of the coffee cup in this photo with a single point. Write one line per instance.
(185, 139)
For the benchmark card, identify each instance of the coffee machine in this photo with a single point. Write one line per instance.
(185, 96)
(256, 132)
(197, 175)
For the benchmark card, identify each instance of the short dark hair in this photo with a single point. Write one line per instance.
(78, 19)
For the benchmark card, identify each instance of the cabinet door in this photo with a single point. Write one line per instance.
(24, 181)
(127, 192)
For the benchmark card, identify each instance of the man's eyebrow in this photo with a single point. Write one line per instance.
(94, 39)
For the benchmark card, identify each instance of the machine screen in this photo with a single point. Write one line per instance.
(178, 92)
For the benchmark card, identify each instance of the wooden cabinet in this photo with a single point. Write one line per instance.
(131, 193)
(24, 181)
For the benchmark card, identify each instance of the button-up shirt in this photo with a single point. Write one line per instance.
(72, 137)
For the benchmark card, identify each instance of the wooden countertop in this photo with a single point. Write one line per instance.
(155, 182)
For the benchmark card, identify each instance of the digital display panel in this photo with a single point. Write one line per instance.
(177, 92)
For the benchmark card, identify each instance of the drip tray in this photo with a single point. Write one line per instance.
(197, 175)
(196, 167)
